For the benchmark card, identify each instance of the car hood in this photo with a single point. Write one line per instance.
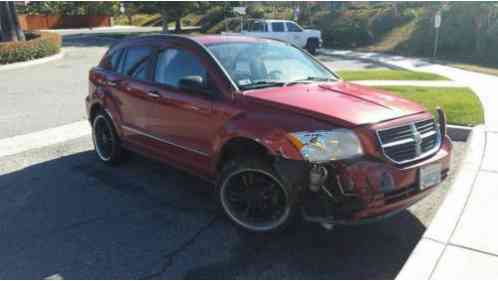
(312, 30)
(346, 103)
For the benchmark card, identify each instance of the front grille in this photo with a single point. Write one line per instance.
(410, 142)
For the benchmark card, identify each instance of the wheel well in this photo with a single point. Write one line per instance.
(242, 147)
(93, 111)
(312, 40)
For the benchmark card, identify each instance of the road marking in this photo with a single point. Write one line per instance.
(22, 143)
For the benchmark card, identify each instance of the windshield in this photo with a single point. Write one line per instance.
(266, 64)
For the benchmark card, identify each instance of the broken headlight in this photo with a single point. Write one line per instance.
(324, 146)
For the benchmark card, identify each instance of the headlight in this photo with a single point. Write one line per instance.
(324, 146)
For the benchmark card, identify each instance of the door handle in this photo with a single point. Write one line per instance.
(153, 94)
(112, 83)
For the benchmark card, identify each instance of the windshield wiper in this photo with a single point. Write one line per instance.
(308, 80)
(262, 84)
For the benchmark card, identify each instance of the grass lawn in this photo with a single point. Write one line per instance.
(388, 74)
(461, 105)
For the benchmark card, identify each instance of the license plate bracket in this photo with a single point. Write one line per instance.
(429, 175)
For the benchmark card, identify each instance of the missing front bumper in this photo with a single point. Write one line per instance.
(360, 191)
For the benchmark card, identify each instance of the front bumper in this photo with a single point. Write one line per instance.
(356, 192)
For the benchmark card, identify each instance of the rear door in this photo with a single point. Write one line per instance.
(130, 89)
(278, 30)
(257, 29)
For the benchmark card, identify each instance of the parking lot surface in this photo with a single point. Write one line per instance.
(65, 215)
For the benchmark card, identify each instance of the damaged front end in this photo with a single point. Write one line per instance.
(332, 193)
(362, 188)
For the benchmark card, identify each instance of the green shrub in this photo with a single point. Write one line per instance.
(257, 12)
(459, 37)
(344, 30)
(213, 17)
(386, 21)
(38, 45)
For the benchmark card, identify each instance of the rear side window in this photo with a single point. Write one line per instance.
(111, 61)
(258, 26)
(174, 64)
(140, 72)
(277, 26)
(133, 58)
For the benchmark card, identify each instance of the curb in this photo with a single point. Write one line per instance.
(426, 255)
(23, 64)
(458, 133)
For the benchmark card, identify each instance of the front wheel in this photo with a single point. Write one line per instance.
(254, 198)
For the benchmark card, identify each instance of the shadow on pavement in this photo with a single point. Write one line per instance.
(77, 218)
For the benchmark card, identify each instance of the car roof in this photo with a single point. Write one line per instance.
(217, 39)
(204, 40)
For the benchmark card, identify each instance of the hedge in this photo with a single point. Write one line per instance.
(37, 45)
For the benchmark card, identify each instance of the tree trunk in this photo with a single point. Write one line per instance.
(178, 25)
(164, 18)
(10, 30)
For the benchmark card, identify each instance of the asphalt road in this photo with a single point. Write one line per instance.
(65, 215)
(50, 94)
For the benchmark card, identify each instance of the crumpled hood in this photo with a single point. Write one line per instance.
(339, 101)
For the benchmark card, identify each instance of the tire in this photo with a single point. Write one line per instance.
(312, 46)
(265, 189)
(105, 140)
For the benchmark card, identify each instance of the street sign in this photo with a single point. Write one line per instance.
(437, 20)
(240, 10)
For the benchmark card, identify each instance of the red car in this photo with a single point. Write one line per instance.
(277, 132)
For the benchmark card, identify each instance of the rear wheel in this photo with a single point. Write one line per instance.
(312, 46)
(254, 198)
(105, 139)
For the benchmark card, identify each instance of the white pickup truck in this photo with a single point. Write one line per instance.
(285, 30)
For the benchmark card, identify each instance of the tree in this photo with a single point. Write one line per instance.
(174, 11)
(10, 30)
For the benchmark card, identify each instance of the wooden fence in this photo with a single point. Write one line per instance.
(34, 22)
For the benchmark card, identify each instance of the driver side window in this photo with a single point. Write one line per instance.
(175, 64)
(292, 27)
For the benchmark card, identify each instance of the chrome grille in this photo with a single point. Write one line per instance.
(410, 142)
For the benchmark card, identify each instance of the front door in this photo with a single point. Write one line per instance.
(180, 119)
(296, 34)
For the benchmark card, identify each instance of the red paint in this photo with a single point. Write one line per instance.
(200, 125)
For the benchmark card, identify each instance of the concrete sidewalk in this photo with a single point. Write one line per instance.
(461, 242)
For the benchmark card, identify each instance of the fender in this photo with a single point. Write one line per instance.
(102, 98)
(255, 127)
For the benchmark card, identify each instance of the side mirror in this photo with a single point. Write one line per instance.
(192, 84)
